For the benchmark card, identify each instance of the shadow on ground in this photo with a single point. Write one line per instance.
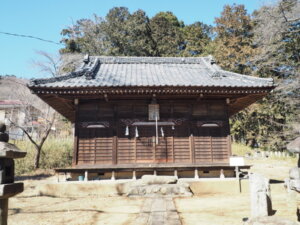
(33, 177)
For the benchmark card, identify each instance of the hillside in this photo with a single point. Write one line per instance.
(13, 88)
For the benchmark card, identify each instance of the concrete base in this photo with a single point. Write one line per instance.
(120, 187)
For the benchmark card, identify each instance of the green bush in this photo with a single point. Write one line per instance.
(55, 153)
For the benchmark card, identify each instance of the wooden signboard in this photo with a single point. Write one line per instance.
(153, 111)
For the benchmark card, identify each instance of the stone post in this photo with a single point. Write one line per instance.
(260, 196)
(7, 186)
(293, 182)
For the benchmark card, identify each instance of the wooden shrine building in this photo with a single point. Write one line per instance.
(158, 112)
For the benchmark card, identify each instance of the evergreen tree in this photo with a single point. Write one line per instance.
(122, 33)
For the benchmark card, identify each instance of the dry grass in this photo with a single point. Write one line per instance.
(240, 149)
(55, 153)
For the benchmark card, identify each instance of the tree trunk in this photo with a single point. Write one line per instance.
(37, 157)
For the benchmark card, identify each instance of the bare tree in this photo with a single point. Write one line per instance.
(38, 142)
(38, 119)
(277, 36)
(56, 65)
(50, 64)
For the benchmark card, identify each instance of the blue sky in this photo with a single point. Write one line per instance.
(45, 19)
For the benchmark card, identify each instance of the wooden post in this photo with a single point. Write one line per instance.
(135, 154)
(173, 152)
(76, 127)
(154, 151)
(115, 147)
(211, 149)
(3, 211)
(229, 145)
(192, 149)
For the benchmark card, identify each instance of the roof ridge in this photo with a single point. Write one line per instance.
(149, 60)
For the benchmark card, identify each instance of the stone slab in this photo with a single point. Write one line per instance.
(153, 179)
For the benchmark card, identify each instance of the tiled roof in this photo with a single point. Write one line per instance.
(101, 71)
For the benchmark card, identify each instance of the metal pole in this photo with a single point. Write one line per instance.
(3, 211)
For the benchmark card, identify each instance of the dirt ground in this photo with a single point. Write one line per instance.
(45, 210)
(217, 209)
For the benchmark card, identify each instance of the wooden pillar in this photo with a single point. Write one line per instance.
(95, 148)
(115, 136)
(135, 154)
(154, 150)
(3, 211)
(211, 149)
(229, 145)
(76, 127)
(192, 149)
(173, 152)
(115, 150)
